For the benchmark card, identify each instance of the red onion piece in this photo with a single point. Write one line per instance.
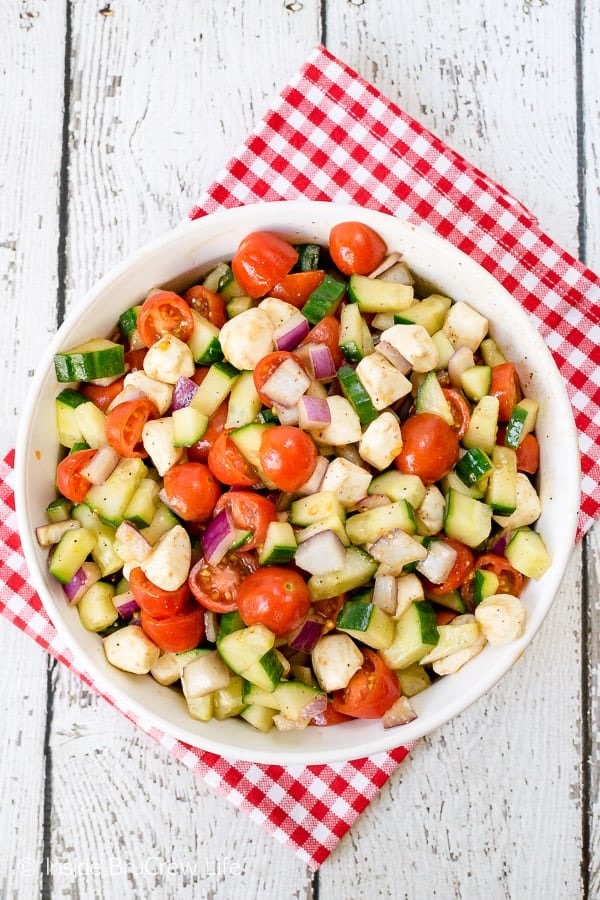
(372, 502)
(102, 464)
(313, 413)
(400, 713)
(315, 707)
(183, 393)
(126, 604)
(499, 545)
(321, 554)
(394, 356)
(288, 335)
(306, 636)
(218, 537)
(316, 479)
(82, 580)
(321, 362)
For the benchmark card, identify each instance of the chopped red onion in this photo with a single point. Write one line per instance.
(306, 636)
(499, 546)
(400, 713)
(287, 383)
(102, 464)
(313, 413)
(183, 392)
(321, 554)
(50, 534)
(321, 362)
(82, 580)
(460, 360)
(373, 502)
(394, 356)
(218, 537)
(316, 479)
(315, 706)
(288, 335)
(126, 604)
(282, 723)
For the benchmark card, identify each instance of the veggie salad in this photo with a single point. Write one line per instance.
(301, 491)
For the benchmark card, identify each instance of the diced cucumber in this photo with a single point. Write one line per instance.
(142, 507)
(452, 638)
(231, 621)
(413, 680)
(189, 425)
(248, 439)
(476, 381)
(466, 519)
(485, 584)
(228, 701)
(483, 426)
(359, 568)
(431, 399)
(354, 342)
(244, 402)
(266, 672)
(218, 277)
(201, 708)
(315, 508)
(69, 432)
(214, 389)
(355, 392)
(473, 466)
(415, 635)
(128, 321)
(59, 510)
(280, 544)
(229, 288)
(367, 527)
(451, 600)
(329, 523)
(501, 493)
(98, 358)
(91, 422)
(309, 256)
(238, 305)
(492, 355)
(111, 499)
(96, 608)
(376, 296)
(451, 481)
(204, 342)
(241, 649)
(71, 552)
(398, 486)
(256, 696)
(366, 623)
(444, 348)
(293, 697)
(103, 552)
(162, 521)
(430, 313)
(260, 717)
(324, 300)
(522, 422)
(527, 552)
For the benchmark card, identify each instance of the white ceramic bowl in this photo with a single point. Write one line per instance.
(174, 259)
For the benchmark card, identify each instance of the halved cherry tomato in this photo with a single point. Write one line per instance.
(69, 480)
(507, 388)
(198, 452)
(164, 313)
(460, 571)
(327, 332)
(444, 616)
(250, 512)
(274, 597)
(124, 425)
(326, 611)
(430, 447)
(329, 716)
(460, 411)
(265, 368)
(511, 581)
(261, 261)
(191, 491)
(297, 287)
(216, 587)
(177, 633)
(207, 303)
(134, 359)
(200, 374)
(102, 396)
(154, 600)
(356, 248)
(370, 692)
(228, 465)
(288, 456)
(528, 451)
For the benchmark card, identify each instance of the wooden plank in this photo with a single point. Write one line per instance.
(485, 802)
(31, 84)
(161, 97)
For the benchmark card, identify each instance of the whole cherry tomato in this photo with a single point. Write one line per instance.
(274, 597)
(261, 261)
(288, 456)
(178, 633)
(370, 692)
(355, 248)
(429, 447)
(154, 600)
(191, 491)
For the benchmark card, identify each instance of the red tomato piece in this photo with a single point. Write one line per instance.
(274, 597)
(430, 447)
(177, 633)
(459, 573)
(511, 581)
(355, 248)
(261, 261)
(250, 512)
(297, 287)
(288, 456)
(69, 480)
(528, 451)
(326, 611)
(101, 396)
(507, 388)
(207, 303)
(445, 616)
(329, 716)
(124, 425)
(265, 368)
(327, 332)
(154, 600)
(216, 587)
(164, 313)
(134, 359)
(460, 411)
(198, 452)
(228, 465)
(192, 491)
(370, 692)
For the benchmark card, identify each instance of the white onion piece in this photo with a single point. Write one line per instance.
(211, 626)
(384, 593)
(51, 534)
(288, 335)
(102, 464)
(438, 563)
(131, 543)
(204, 675)
(287, 384)
(128, 393)
(390, 260)
(372, 502)
(394, 550)
(321, 554)
(313, 413)
(313, 485)
(400, 713)
(460, 360)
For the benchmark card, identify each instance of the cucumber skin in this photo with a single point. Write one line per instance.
(88, 365)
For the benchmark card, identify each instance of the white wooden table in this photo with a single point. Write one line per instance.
(113, 117)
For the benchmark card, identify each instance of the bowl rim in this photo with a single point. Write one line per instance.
(383, 740)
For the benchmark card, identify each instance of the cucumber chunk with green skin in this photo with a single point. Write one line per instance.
(431, 399)
(376, 296)
(522, 422)
(111, 499)
(59, 510)
(359, 568)
(501, 493)
(248, 440)
(452, 600)
(366, 623)
(467, 520)
(228, 701)
(492, 355)
(369, 526)
(218, 277)
(218, 383)
(189, 425)
(324, 300)
(69, 431)
(244, 402)
(231, 621)
(238, 305)
(355, 338)
(204, 341)
(526, 551)
(266, 672)
(485, 584)
(128, 321)
(230, 289)
(162, 521)
(452, 639)
(430, 313)
(243, 648)
(143, 505)
(96, 609)
(98, 358)
(451, 481)
(71, 552)
(473, 466)
(415, 635)
(476, 381)
(357, 395)
(279, 546)
(413, 680)
(398, 486)
(309, 256)
(260, 717)
(316, 508)
(201, 708)
(483, 426)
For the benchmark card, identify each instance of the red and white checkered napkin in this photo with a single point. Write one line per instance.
(332, 136)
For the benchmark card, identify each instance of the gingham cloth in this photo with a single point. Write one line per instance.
(332, 136)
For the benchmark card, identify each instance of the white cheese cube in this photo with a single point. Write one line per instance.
(529, 507)
(501, 618)
(430, 514)
(409, 589)
(383, 382)
(347, 481)
(169, 359)
(160, 393)
(381, 441)
(131, 650)
(158, 440)
(344, 427)
(246, 338)
(168, 563)
(411, 343)
(464, 326)
(278, 311)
